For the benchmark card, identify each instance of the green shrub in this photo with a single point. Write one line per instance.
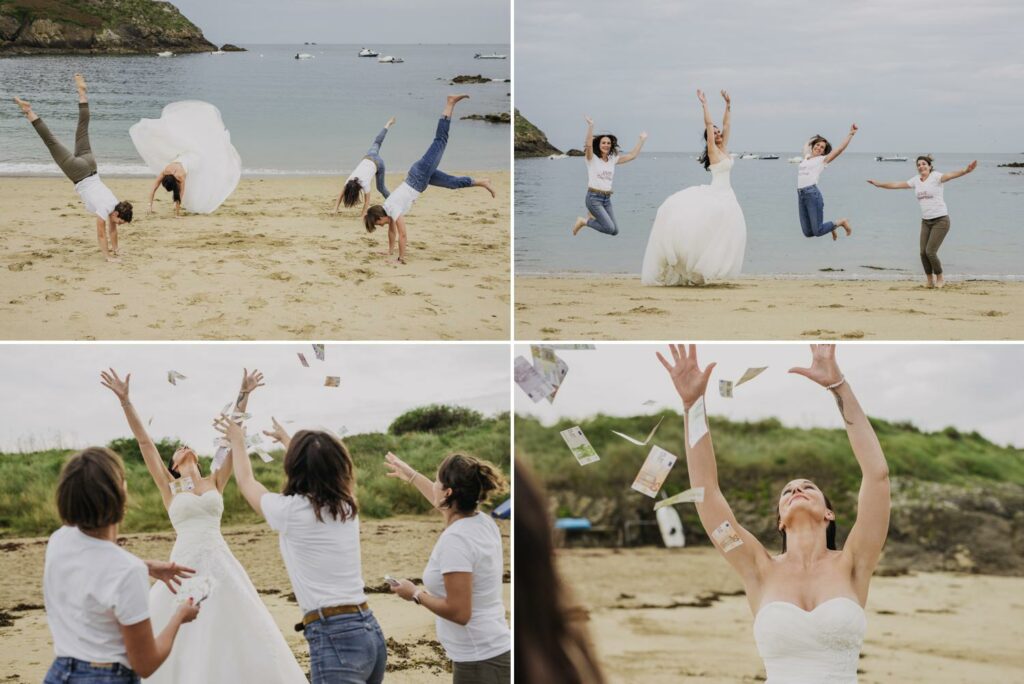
(435, 418)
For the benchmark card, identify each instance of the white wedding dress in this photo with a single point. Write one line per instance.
(699, 234)
(234, 639)
(192, 133)
(821, 646)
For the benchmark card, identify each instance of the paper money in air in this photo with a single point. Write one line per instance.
(182, 484)
(580, 446)
(726, 537)
(302, 359)
(530, 381)
(649, 402)
(550, 366)
(750, 375)
(571, 347)
(638, 442)
(318, 349)
(332, 381)
(173, 376)
(725, 388)
(695, 495)
(654, 472)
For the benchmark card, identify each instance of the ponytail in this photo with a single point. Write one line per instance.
(471, 480)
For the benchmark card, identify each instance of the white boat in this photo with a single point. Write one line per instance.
(303, 55)
(388, 59)
(168, 53)
(795, 160)
(493, 55)
(769, 156)
(367, 52)
(748, 155)
(891, 157)
(218, 52)
(558, 156)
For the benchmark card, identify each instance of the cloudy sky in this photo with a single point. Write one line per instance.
(916, 75)
(349, 22)
(50, 395)
(933, 386)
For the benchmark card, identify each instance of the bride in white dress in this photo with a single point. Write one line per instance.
(808, 602)
(189, 146)
(699, 233)
(235, 639)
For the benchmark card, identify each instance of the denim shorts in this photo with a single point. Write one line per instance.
(347, 649)
(74, 670)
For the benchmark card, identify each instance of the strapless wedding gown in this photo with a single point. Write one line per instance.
(234, 639)
(821, 646)
(699, 234)
(193, 133)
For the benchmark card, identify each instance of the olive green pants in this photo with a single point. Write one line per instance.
(933, 232)
(77, 165)
(496, 670)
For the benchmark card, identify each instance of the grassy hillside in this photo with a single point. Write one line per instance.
(28, 481)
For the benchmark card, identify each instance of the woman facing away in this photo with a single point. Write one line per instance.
(462, 579)
(420, 175)
(927, 185)
(808, 602)
(317, 519)
(699, 233)
(236, 639)
(371, 167)
(189, 144)
(80, 168)
(818, 154)
(602, 155)
(95, 591)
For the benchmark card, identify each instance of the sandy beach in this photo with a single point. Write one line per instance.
(610, 308)
(273, 263)
(660, 615)
(397, 546)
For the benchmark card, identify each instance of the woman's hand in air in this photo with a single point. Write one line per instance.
(824, 370)
(725, 96)
(853, 129)
(700, 96)
(115, 384)
(643, 136)
(690, 381)
(229, 428)
(278, 433)
(590, 122)
(250, 381)
(404, 588)
(169, 573)
(970, 167)
(398, 468)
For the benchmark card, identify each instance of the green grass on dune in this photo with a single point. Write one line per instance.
(28, 481)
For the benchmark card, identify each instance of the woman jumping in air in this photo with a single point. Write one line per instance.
(371, 166)
(602, 154)
(818, 154)
(420, 175)
(927, 185)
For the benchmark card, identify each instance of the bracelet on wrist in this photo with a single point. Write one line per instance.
(836, 385)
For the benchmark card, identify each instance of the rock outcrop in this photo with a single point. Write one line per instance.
(466, 78)
(530, 141)
(228, 47)
(500, 118)
(30, 27)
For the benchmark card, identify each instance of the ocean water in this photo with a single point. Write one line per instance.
(286, 116)
(986, 210)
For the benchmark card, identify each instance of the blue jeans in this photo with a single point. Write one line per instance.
(812, 212)
(373, 154)
(425, 171)
(347, 649)
(72, 670)
(601, 207)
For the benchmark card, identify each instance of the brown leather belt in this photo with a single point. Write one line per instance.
(314, 615)
(606, 193)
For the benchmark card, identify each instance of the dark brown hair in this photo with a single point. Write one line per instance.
(595, 144)
(124, 211)
(319, 467)
(551, 646)
(350, 195)
(830, 531)
(373, 214)
(817, 139)
(927, 158)
(172, 185)
(471, 481)
(90, 491)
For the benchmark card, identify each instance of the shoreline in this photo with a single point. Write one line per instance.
(836, 276)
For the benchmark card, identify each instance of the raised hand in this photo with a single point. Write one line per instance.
(115, 384)
(643, 136)
(700, 96)
(853, 129)
(229, 428)
(250, 381)
(690, 381)
(590, 122)
(398, 468)
(725, 96)
(278, 433)
(823, 370)
(970, 167)
(873, 182)
(169, 573)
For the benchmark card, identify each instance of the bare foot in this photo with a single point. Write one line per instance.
(390, 123)
(578, 226)
(80, 84)
(939, 282)
(845, 223)
(453, 99)
(930, 284)
(26, 108)
(113, 260)
(399, 261)
(835, 236)
(486, 184)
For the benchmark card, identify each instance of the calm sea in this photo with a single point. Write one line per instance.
(986, 209)
(286, 116)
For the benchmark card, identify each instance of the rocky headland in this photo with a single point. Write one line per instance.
(530, 141)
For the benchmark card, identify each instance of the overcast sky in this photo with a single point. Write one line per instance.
(916, 75)
(50, 395)
(933, 386)
(348, 22)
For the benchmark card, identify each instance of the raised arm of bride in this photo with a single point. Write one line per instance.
(161, 476)
(715, 513)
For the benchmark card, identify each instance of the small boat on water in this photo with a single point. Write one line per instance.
(167, 53)
(795, 160)
(769, 156)
(367, 52)
(493, 55)
(748, 155)
(558, 156)
(303, 55)
(891, 157)
(388, 59)
(218, 52)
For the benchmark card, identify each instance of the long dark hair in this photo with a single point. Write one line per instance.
(373, 214)
(830, 531)
(171, 185)
(350, 195)
(595, 144)
(471, 480)
(550, 647)
(319, 467)
(817, 139)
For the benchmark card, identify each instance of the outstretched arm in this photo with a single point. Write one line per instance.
(691, 383)
(872, 526)
(403, 471)
(714, 154)
(899, 185)
(250, 381)
(635, 152)
(400, 228)
(726, 119)
(181, 196)
(341, 194)
(157, 470)
(366, 202)
(251, 489)
(588, 143)
(152, 193)
(101, 237)
(843, 145)
(960, 172)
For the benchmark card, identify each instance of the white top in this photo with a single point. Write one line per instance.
(400, 200)
(90, 586)
(929, 194)
(322, 558)
(364, 173)
(96, 196)
(809, 171)
(600, 173)
(810, 647)
(473, 545)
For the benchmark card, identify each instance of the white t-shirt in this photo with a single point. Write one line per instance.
(471, 545)
(96, 196)
(929, 195)
(90, 586)
(400, 200)
(364, 173)
(600, 173)
(809, 171)
(322, 557)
